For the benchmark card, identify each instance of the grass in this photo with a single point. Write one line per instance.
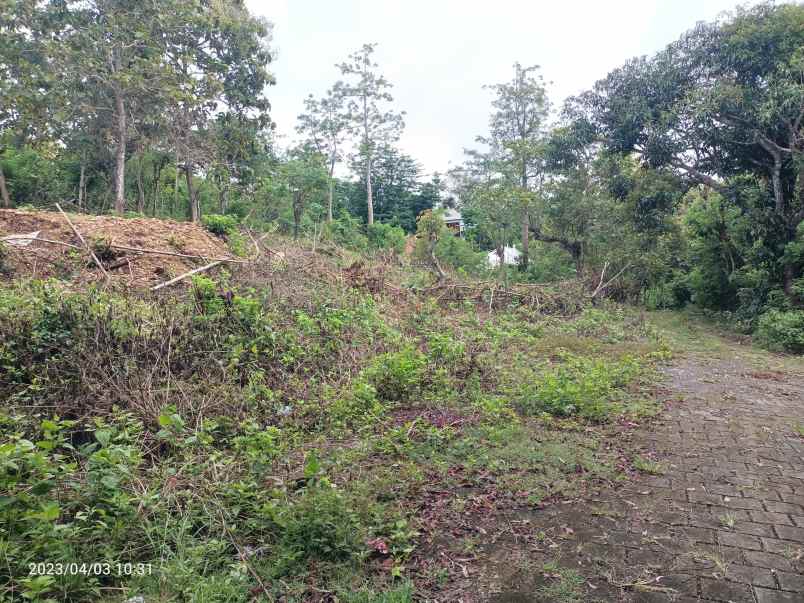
(290, 440)
(563, 585)
(728, 520)
(648, 466)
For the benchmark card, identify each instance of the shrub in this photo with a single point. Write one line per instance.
(318, 525)
(220, 225)
(385, 236)
(398, 375)
(782, 331)
(346, 231)
(583, 387)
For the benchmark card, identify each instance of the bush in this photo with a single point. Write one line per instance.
(782, 331)
(318, 525)
(346, 231)
(399, 375)
(583, 387)
(220, 225)
(385, 236)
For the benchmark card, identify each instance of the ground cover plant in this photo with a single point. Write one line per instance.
(242, 440)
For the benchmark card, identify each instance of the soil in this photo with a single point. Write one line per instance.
(125, 267)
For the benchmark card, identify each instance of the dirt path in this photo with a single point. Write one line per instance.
(723, 518)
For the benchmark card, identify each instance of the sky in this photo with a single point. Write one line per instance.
(438, 54)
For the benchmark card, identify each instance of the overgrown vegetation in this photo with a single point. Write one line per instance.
(234, 442)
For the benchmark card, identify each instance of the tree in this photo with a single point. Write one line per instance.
(218, 54)
(324, 124)
(301, 179)
(724, 101)
(398, 196)
(365, 92)
(27, 80)
(516, 139)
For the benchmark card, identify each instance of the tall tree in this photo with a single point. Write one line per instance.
(724, 101)
(366, 93)
(516, 138)
(116, 47)
(324, 124)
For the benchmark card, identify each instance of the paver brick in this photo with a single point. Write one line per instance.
(789, 533)
(743, 541)
(768, 560)
(721, 590)
(782, 507)
(758, 576)
(775, 596)
(788, 581)
(768, 517)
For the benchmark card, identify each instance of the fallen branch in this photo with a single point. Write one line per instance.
(181, 277)
(602, 286)
(27, 238)
(173, 253)
(83, 242)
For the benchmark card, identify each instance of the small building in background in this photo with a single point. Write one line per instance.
(510, 257)
(454, 221)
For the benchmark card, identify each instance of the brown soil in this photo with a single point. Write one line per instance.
(128, 268)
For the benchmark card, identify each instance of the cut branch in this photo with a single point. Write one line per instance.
(181, 277)
(83, 242)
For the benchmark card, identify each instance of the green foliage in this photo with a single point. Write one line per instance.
(317, 525)
(782, 331)
(585, 387)
(220, 225)
(385, 236)
(398, 375)
(461, 255)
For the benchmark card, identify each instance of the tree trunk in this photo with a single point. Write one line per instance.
(140, 187)
(3, 189)
(369, 199)
(367, 143)
(222, 198)
(330, 191)
(176, 186)
(525, 239)
(195, 214)
(81, 182)
(120, 155)
(297, 212)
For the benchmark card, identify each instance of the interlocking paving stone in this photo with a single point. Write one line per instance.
(725, 522)
(721, 590)
(757, 576)
(788, 533)
(788, 581)
(776, 596)
(742, 541)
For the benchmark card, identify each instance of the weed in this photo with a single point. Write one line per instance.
(563, 585)
(219, 224)
(648, 466)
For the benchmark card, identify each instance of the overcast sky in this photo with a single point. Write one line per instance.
(438, 54)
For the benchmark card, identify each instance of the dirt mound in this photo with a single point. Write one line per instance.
(120, 243)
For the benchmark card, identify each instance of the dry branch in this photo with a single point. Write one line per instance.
(181, 277)
(175, 254)
(83, 242)
(20, 237)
